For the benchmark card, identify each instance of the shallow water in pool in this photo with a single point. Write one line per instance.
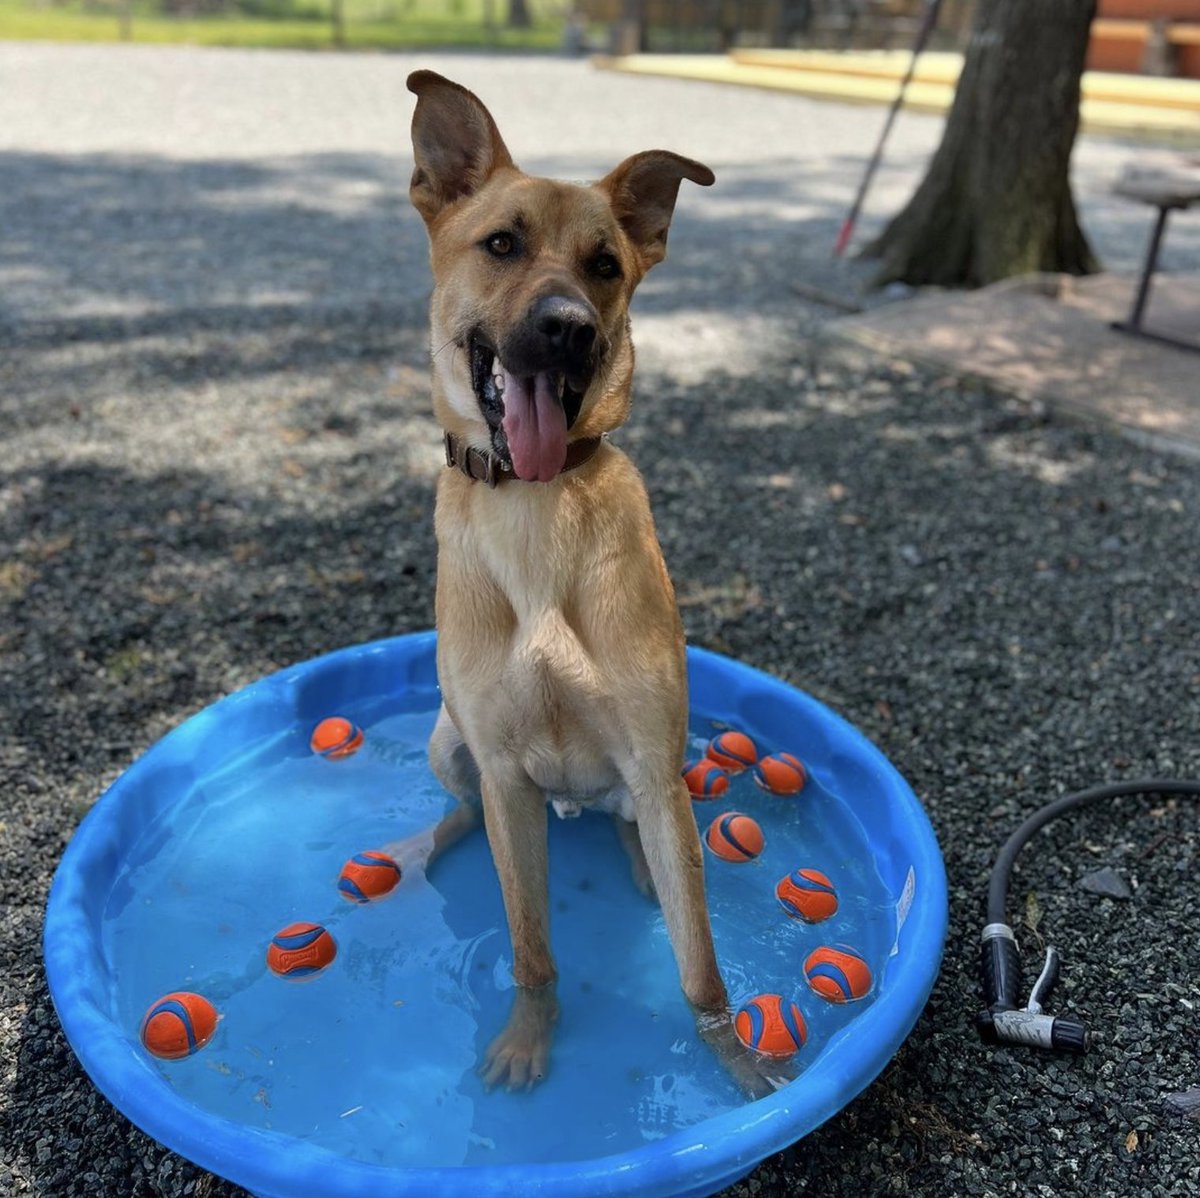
(375, 1058)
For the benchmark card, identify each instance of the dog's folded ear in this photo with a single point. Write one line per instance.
(643, 190)
(456, 144)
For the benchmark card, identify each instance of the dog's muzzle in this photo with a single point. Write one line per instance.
(530, 388)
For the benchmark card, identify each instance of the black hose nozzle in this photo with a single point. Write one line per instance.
(1000, 967)
(1003, 1022)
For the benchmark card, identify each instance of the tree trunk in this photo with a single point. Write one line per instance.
(997, 200)
(518, 14)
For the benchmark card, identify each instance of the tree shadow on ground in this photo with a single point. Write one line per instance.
(122, 235)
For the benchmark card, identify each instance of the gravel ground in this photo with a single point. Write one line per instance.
(218, 461)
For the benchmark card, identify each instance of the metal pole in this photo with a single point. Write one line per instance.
(847, 229)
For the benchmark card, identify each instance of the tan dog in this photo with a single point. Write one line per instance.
(560, 648)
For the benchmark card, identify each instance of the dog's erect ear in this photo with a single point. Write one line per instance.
(642, 191)
(455, 143)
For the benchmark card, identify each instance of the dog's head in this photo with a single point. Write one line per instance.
(532, 281)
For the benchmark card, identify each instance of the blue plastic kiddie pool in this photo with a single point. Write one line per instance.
(362, 1079)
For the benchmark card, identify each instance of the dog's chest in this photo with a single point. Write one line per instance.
(529, 631)
(558, 703)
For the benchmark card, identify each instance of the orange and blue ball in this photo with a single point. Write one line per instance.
(732, 751)
(838, 974)
(705, 779)
(770, 1025)
(807, 894)
(368, 875)
(336, 737)
(300, 950)
(178, 1025)
(734, 837)
(781, 774)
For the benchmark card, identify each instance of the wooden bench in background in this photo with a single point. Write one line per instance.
(1157, 37)
(1151, 37)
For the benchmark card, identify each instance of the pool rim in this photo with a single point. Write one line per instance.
(696, 1160)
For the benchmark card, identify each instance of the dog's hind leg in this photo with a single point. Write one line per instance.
(631, 842)
(455, 769)
(451, 760)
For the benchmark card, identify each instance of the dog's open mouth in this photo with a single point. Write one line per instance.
(529, 415)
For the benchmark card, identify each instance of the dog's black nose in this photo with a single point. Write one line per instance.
(567, 326)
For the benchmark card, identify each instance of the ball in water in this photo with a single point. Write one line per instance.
(734, 837)
(336, 737)
(732, 751)
(300, 950)
(807, 894)
(178, 1025)
(781, 774)
(839, 974)
(368, 875)
(771, 1026)
(705, 779)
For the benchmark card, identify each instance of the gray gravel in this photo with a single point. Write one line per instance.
(218, 460)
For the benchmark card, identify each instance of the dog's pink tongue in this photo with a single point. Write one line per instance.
(536, 427)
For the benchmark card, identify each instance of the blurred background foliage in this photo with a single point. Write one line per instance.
(313, 24)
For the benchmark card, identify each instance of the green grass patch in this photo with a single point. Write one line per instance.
(369, 24)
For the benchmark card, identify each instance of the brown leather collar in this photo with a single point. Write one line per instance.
(488, 468)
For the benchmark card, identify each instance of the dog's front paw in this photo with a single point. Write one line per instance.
(755, 1073)
(519, 1056)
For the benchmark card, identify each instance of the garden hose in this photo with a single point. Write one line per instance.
(1004, 1021)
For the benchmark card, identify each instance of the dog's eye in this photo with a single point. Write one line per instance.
(605, 266)
(500, 245)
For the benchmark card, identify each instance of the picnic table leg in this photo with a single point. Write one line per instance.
(1134, 323)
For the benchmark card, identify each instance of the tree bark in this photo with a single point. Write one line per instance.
(996, 200)
(518, 14)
